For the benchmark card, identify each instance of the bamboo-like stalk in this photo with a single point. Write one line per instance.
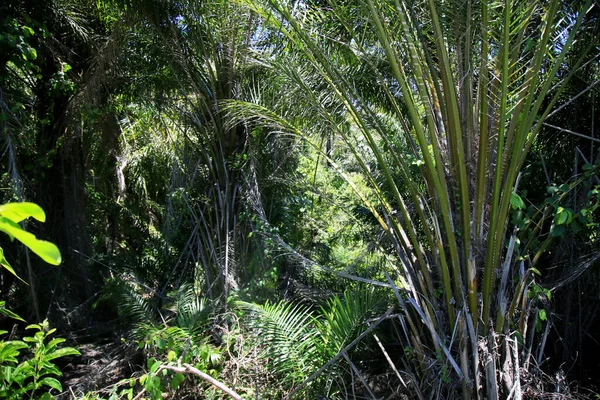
(456, 144)
(438, 184)
(495, 231)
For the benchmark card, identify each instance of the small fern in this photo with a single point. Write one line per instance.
(135, 304)
(191, 312)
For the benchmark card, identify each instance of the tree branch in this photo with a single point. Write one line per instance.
(189, 370)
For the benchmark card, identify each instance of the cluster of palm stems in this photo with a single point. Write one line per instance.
(438, 103)
(460, 89)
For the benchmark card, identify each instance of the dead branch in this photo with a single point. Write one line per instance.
(189, 370)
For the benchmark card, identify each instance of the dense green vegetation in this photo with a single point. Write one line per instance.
(300, 199)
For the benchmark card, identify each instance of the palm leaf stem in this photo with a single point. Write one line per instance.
(457, 145)
(495, 232)
(320, 61)
(440, 187)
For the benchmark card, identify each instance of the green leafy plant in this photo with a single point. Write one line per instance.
(468, 87)
(173, 337)
(27, 367)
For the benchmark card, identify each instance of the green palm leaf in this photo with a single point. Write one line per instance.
(289, 337)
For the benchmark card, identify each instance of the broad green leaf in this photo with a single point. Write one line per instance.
(563, 216)
(517, 202)
(31, 54)
(18, 212)
(46, 250)
(67, 351)
(50, 369)
(27, 31)
(33, 326)
(176, 381)
(154, 367)
(10, 350)
(152, 383)
(171, 356)
(150, 362)
(53, 343)
(9, 313)
(24, 369)
(535, 271)
(51, 382)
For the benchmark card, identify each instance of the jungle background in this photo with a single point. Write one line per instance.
(301, 199)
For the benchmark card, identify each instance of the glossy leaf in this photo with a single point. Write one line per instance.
(52, 383)
(177, 380)
(46, 250)
(4, 263)
(18, 212)
(517, 202)
(8, 313)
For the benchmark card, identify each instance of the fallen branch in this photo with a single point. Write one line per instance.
(189, 370)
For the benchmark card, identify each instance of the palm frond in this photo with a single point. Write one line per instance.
(135, 303)
(456, 81)
(192, 312)
(345, 317)
(288, 336)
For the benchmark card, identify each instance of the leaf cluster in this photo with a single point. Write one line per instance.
(27, 366)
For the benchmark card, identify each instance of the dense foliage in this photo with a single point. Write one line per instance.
(307, 199)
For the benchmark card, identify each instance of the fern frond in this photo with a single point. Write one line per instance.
(134, 304)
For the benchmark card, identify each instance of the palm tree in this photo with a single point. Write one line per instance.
(204, 44)
(460, 90)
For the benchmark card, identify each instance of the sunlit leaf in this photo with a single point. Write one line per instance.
(18, 212)
(4, 263)
(52, 383)
(46, 250)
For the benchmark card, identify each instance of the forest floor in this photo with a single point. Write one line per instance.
(98, 368)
